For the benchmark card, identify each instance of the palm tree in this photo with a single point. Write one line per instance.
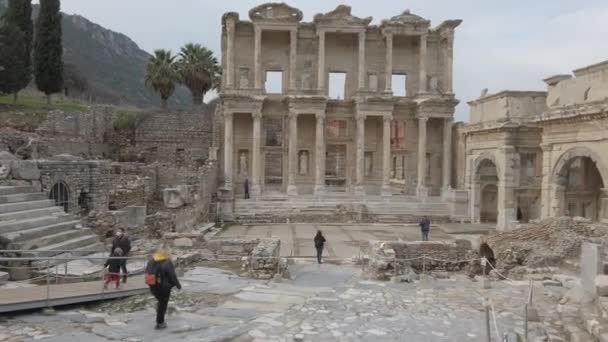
(199, 71)
(162, 74)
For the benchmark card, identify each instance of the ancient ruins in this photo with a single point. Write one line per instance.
(345, 125)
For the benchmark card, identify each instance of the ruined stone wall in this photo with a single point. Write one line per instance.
(88, 178)
(132, 184)
(179, 138)
(84, 134)
(590, 84)
(507, 105)
(388, 258)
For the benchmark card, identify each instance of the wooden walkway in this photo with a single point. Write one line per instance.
(64, 294)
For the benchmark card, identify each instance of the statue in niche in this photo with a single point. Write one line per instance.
(434, 84)
(243, 163)
(244, 78)
(303, 162)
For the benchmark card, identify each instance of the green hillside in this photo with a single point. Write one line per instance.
(112, 64)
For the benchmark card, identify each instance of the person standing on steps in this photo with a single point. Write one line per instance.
(123, 242)
(319, 243)
(160, 276)
(425, 228)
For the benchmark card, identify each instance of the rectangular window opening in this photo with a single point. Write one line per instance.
(337, 85)
(274, 82)
(399, 83)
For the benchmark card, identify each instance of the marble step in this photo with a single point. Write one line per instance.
(40, 232)
(72, 244)
(89, 249)
(23, 197)
(14, 207)
(24, 224)
(32, 213)
(11, 190)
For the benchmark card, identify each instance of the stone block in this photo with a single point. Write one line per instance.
(4, 277)
(25, 170)
(4, 155)
(135, 216)
(183, 242)
(172, 198)
(601, 285)
(591, 265)
(5, 168)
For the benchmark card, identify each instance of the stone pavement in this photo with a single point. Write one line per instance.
(343, 240)
(320, 303)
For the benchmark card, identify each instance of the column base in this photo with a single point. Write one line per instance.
(422, 191)
(319, 190)
(292, 190)
(359, 190)
(445, 192)
(255, 191)
(387, 191)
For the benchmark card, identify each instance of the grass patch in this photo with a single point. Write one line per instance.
(36, 104)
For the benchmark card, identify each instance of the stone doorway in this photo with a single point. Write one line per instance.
(335, 168)
(273, 172)
(489, 203)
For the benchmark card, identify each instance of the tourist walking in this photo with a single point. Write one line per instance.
(122, 241)
(113, 265)
(160, 276)
(425, 228)
(319, 243)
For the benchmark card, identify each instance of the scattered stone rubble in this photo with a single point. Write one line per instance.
(389, 259)
(264, 261)
(544, 243)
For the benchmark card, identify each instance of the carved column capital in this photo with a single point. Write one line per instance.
(256, 115)
(387, 117)
(320, 116)
(360, 117)
(292, 115)
(228, 115)
(423, 119)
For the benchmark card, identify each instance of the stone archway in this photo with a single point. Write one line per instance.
(484, 190)
(578, 181)
(60, 193)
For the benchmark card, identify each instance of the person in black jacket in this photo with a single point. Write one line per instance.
(166, 279)
(122, 241)
(319, 243)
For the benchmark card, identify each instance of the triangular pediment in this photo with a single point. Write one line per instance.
(341, 16)
(273, 11)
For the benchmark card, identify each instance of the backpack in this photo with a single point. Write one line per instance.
(152, 273)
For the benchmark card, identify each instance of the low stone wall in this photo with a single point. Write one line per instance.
(389, 258)
(264, 260)
(232, 249)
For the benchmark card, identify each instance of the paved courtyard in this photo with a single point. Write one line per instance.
(320, 303)
(343, 240)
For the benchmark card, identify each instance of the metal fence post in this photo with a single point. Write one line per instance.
(487, 310)
(48, 283)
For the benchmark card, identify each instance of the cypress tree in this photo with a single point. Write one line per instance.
(19, 15)
(11, 63)
(48, 49)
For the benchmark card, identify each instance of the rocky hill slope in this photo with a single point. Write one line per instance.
(111, 62)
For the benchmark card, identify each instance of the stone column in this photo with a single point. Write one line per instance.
(546, 191)
(447, 154)
(321, 64)
(257, 57)
(360, 155)
(389, 63)
(421, 190)
(230, 54)
(292, 189)
(256, 154)
(422, 67)
(386, 155)
(361, 60)
(449, 63)
(228, 141)
(293, 55)
(320, 154)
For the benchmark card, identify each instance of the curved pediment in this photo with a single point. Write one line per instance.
(341, 16)
(407, 23)
(407, 17)
(273, 11)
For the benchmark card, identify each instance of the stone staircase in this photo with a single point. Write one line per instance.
(396, 209)
(30, 221)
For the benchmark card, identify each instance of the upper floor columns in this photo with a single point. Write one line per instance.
(257, 54)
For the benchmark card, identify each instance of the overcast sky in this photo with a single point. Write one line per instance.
(500, 44)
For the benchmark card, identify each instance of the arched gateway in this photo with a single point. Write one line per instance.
(578, 180)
